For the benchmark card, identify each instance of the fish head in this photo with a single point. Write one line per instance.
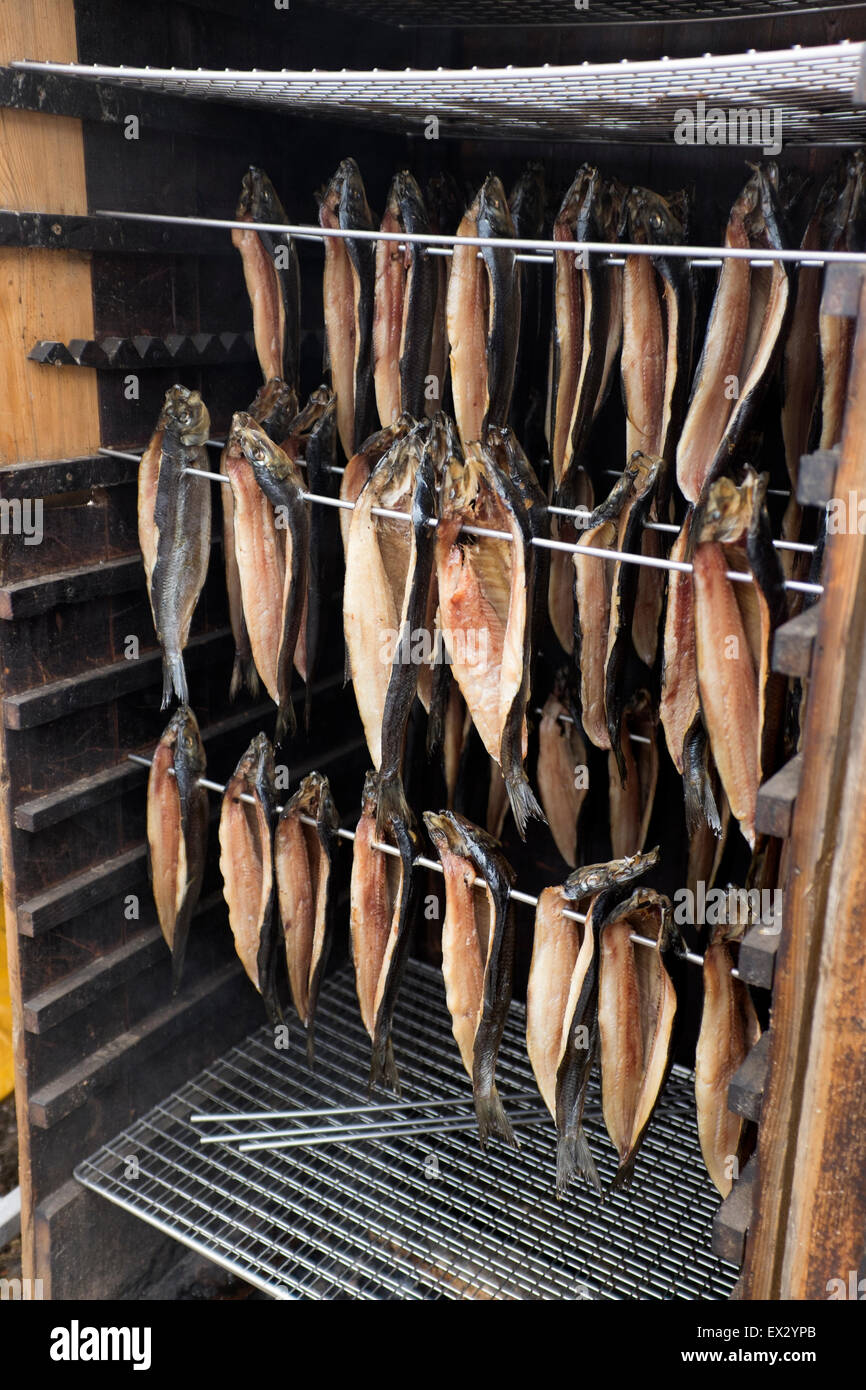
(185, 413)
(266, 458)
(354, 210)
(460, 484)
(494, 217)
(183, 734)
(393, 479)
(576, 216)
(443, 831)
(370, 793)
(261, 754)
(650, 219)
(275, 404)
(258, 200)
(527, 201)
(730, 510)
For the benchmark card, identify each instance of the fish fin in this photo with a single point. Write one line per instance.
(173, 679)
(383, 1067)
(237, 677)
(625, 1172)
(252, 678)
(492, 1118)
(287, 724)
(391, 803)
(522, 800)
(573, 1155)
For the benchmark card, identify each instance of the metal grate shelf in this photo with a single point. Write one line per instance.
(812, 89)
(413, 1218)
(473, 13)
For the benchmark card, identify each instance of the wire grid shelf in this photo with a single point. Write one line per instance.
(811, 88)
(420, 1217)
(525, 13)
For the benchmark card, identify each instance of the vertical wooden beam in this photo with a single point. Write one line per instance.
(809, 1212)
(43, 413)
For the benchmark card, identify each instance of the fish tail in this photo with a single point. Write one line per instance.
(177, 960)
(492, 1118)
(573, 1155)
(522, 799)
(286, 722)
(383, 1067)
(624, 1173)
(311, 1044)
(173, 679)
(391, 803)
(252, 678)
(237, 679)
(700, 804)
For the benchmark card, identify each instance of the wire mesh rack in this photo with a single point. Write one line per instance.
(527, 13)
(413, 1217)
(810, 89)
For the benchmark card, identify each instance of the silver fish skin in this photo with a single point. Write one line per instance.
(174, 527)
(350, 275)
(273, 279)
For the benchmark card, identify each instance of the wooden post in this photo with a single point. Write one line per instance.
(809, 1213)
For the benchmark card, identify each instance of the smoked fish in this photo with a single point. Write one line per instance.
(247, 866)
(273, 279)
(729, 1030)
(562, 767)
(174, 521)
(477, 955)
(380, 923)
(349, 296)
(177, 823)
(631, 798)
(303, 863)
(272, 545)
(404, 309)
(361, 465)
(444, 208)
(636, 1010)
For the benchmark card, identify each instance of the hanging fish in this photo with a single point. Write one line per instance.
(272, 408)
(361, 465)
(445, 207)
(729, 1030)
(486, 602)
(273, 280)
(477, 955)
(177, 822)
(593, 590)
(313, 438)
(247, 867)
(844, 229)
(405, 301)
(272, 544)
(303, 863)
(483, 316)
(174, 520)
(380, 923)
(744, 335)
(562, 767)
(562, 1004)
(388, 568)
(632, 797)
(526, 203)
(636, 1009)
(349, 293)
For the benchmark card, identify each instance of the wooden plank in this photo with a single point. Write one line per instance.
(734, 1217)
(746, 1090)
(816, 479)
(145, 351)
(53, 477)
(794, 642)
(31, 596)
(757, 956)
(810, 1203)
(776, 798)
(52, 231)
(57, 698)
(75, 895)
(75, 1087)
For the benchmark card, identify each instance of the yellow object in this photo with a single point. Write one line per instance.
(7, 1072)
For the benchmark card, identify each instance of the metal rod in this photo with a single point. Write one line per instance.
(317, 1137)
(603, 248)
(256, 1116)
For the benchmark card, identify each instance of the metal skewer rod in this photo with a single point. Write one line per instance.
(673, 530)
(352, 1134)
(420, 861)
(538, 244)
(262, 1116)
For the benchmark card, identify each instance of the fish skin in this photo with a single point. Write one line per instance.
(362, 463)
(177, 828)
(303, 865)
(349, 293)
(467, 317)
(174, 525)
(503, 331)
(729, 1030)
(445, 208)
(843, 229)
(405, 304)
(486, 588)
(636, 1011)
(527, 204)
(561, 750)
(478, 990)
(282, 486)
(632, 797)
(273, 408)
(247, 867)
(381, 901)
(275, 294)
